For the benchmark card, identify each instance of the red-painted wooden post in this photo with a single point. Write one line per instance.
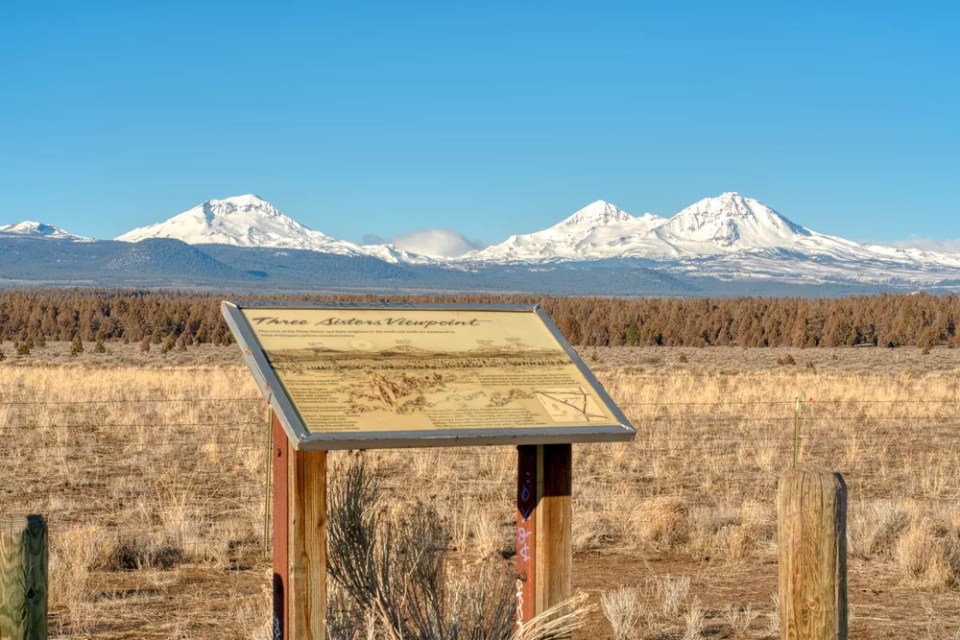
(544, 554)
(526, 533)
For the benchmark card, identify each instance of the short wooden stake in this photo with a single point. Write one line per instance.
(812, 526)
(544, 551)
(23, 578)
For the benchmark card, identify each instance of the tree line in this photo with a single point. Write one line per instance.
(32, 317)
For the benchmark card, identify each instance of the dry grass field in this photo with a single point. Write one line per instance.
(150, 470)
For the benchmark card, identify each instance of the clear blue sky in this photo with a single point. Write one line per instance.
(487, 117)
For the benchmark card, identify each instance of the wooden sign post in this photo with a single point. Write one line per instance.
(365, 375)
(299, 541)
(544, 554)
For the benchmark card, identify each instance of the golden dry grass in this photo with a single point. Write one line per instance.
(150, 470)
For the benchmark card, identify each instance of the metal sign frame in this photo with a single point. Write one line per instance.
(301, 439)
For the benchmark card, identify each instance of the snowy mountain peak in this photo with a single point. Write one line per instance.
(238, 204)
(247, 199)
(731, 221)
(599, 212)
(242, 221)
(30, 228)
(251, 221)
(596, 231)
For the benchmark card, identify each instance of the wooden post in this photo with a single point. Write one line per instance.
(526, 533)
(280, 515)
(812, 523)
(23, 578)
(544, 552)
(307, 546)
(299, 541)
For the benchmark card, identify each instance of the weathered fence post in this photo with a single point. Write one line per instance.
(812, 529)
(23, 578)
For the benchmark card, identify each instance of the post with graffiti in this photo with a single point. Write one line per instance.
(544, 554)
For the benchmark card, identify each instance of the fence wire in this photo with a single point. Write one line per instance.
(167, 479)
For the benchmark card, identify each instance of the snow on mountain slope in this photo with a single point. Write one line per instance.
(597, 231)
(729, 223)
(241, 221)
(751, 233)
(728, 237)
(251, 221)
(29, 228)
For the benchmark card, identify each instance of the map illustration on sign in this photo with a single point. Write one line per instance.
(570, 405)
(407, 369)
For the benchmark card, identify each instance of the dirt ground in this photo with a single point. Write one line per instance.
(149, 467)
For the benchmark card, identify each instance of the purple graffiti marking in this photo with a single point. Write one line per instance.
(523, 548)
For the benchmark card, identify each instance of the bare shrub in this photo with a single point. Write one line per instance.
(739, 619)
(624, 609)
(756, 524)
(138, 552)
(74, 553)
(693, 621)
(661, 521)
(673, 594)
(593, 529)
(773, 618)
(486, 534)
(394, 568)
(923, 556)
(874, 527)
(254, 616)
(557, 621)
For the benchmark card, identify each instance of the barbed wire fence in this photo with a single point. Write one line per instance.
(836, 434)
(188, 472)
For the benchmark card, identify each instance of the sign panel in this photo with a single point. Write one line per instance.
(356, 375)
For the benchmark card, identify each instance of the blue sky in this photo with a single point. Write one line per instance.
(490, 118)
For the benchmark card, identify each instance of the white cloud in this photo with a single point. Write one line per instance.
(930, 244)
(440, 243)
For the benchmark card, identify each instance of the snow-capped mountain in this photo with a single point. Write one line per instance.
(241, 221)
(597, 231)
(29, 228)
(251, 221)
(728, 237)
(728, 223)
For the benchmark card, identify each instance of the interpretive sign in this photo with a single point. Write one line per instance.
(362, 375)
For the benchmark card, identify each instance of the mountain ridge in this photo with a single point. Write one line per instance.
(34, 229)
(726, 238)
